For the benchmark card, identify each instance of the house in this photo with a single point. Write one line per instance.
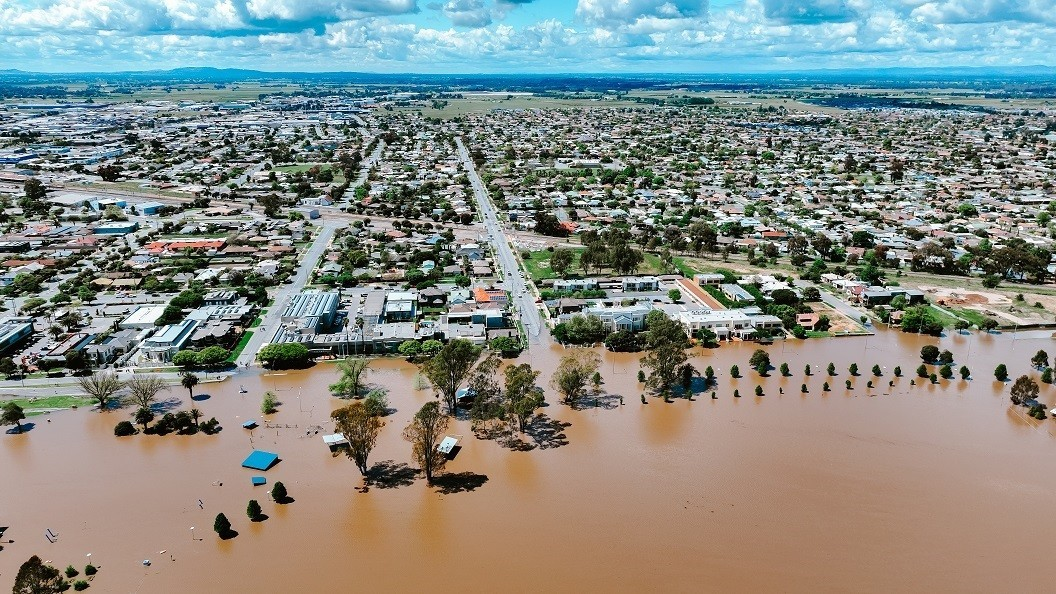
(709, 280)
(641, 283)
(401, 306)
(584, 284)
(267, 268)
(630, 318)
(470, 251)
(168, 340)
(432, 297)
(807, 320)
(221, 298)
(736, 292)
(482, 295)
(113, 346)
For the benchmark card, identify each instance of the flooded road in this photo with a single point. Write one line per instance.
(908, 488)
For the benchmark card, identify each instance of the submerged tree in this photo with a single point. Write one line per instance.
(143, 389)
(1023, 390)
(12, 414)
(361, 429)
(1040, 359)
(522, 394)
(101, 386)
(352, 372)
(189, 381)
(36, 577)
(449, 368)
(666, 344)
(573, 374)
(424, 433)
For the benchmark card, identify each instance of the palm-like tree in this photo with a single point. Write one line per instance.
(189, 381)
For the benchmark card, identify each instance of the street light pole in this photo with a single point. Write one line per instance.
(192, 533)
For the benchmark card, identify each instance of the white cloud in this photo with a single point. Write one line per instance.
(468, 13)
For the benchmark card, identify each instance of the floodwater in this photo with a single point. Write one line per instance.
(925, 488)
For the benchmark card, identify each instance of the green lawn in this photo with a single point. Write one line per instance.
(36, 406)
(300, 168)
(538, 266)
(242, 342)
(945, 319)
(973, 316)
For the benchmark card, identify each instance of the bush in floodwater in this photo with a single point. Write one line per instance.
(71, 572)
(90, 570)
(80, 585)
(758, 390)
(825, 387)
(803, 388)
(124, 429)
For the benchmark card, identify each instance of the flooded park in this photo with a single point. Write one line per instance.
(927, 487)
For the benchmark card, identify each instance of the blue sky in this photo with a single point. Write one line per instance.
(467, 36)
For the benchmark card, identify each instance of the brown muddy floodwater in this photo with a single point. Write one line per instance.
(925, 488)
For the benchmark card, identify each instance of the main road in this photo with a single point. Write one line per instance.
(270, 322)
(516, 283)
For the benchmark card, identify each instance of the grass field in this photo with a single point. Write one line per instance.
(538, 266)
(37, 406)
(973, 316)
(241, 346)
(300, 167)
(478, 104)
(947, 320)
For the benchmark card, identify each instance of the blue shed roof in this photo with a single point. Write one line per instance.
(260, 460)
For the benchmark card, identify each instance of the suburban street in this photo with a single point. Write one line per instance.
(270, 322)
(522, 299)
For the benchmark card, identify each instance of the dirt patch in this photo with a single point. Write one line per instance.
(948, 296)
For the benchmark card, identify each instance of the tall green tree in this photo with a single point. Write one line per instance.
(37, 577)
(1023, 390)
(353, 370)
(573, 374)
(522, 393)
(425, 432)
(189, 381)
(665, 357)
(449, 368)
(12, 414)
(361, 429)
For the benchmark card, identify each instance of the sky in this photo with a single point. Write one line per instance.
(522, 36)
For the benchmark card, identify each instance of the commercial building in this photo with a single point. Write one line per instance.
(13, 330)
(143, 318)
(311, 311)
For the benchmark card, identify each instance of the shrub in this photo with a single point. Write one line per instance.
(90, 570)
(221, 525)
(253, 510)
(736, 393)
(1001, 372)
(80, 585)
(124, 429)
(831, 369)
(269, 403)
(803, 388)
(897, 371)
(929, 353)
(946, 372)
(825, 387)
(758, 390)
(922, 371)
(853, 369)
(71, 572)
(933, 378)
(848, 384)
(735, 372)
(278, 493)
